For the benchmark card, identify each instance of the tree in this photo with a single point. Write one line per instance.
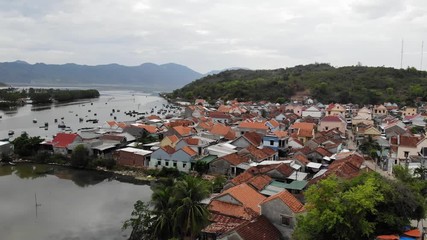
(80, 156)
(5, 158)
(338, 211)
(201, 167)
(190, 215)
(176, 211)
(26, 146)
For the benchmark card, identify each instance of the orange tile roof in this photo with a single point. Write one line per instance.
(287, 198)
(122, 124)
(189, 151)
(245, 194)
(224, 109)
(183, 131)
(305, 133)
(280, 134)
(274, 123)
(192, 141)
(152, 117)
(253, 125)
(148, 128)
(220, 129)
(206, 125)
(303, 125)
(173, 138)
(112, 123)
(232, 210)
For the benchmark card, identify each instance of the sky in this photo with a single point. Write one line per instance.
(210, 35)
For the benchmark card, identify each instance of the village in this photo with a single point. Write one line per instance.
(270, 153)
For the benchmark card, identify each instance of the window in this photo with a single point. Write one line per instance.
(166, 163)
(406, 153)
(326, 128)
(174, 163)
(159, 163)
(184, 165)
(271, 142)
(286, 220)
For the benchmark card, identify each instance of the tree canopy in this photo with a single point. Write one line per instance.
(361, 208)
(356, 84)
(175, 212)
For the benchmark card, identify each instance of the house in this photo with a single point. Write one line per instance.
(166, 156)
(247, 139)
(332, 122)
(276, 140)
(133, 157)
(220, 131)
(409, 111)
(302, 131)
(181, 131)
(5, 148)
(197, 144)
(405, 146)
(282, 210)
(335, 109)
(170, 140)
(257, 181)
(259, 154)
(380, 110)
(220, 117)
(249, 126)
(313, 112)
(367, 132)
(227, 165)
(232, 208)
(61, 142)
(279, 171)
(364, 116)
(259, 228)
(294, 143)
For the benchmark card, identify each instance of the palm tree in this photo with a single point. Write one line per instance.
(190, 215)
(164, 205)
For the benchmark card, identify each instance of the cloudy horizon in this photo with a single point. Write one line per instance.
(211, 35)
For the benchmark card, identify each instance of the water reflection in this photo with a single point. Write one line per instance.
(75, 204)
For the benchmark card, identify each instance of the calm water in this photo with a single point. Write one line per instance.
(21, 119)
(74, 204)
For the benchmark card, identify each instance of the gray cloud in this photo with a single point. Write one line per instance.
(207, 35)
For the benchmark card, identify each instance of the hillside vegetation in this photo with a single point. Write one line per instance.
(355, 84)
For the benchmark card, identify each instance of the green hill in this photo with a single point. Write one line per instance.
(355, 84)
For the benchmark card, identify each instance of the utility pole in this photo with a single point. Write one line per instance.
(401, 55)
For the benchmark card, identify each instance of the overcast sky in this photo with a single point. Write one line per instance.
(214, 34)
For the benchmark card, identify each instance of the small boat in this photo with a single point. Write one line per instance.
(46, 124)
(34, 120)
(11, 132)
(56, 120)
(61, 125)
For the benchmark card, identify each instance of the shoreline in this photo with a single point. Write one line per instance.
(132, 176)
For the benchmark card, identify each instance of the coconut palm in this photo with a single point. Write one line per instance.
(190, 215)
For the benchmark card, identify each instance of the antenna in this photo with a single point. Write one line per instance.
(422, 55)
(401, 55)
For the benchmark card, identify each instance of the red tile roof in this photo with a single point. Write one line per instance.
(260, 154)
(219, 115)
(258, 229)
(323, 152)
(287, 198)
(234, 159)
(260, 181)
(168, 149)
(232, 210)
(253, 137)
(148, 128)
(62, 140)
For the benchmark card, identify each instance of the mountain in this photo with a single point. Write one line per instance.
(352, 84)
(166, 76)
(225, 69)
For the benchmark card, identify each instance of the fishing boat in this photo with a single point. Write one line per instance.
(34, 120)
(11, 132)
